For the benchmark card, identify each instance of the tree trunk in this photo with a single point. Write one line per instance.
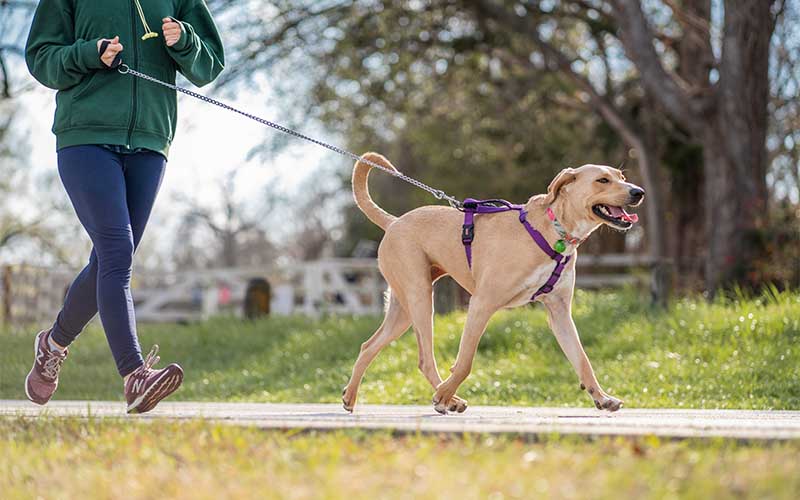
(654, 210)
(229, 250)
(728, 118)
(734, 140)
(696, 59)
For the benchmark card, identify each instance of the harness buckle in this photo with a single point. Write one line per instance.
(470, 205)
(467, 233)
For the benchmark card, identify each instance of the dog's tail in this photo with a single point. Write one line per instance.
(376, 214)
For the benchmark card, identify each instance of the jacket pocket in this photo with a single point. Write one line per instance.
(157, 105)
(103, 101)
(86, 85)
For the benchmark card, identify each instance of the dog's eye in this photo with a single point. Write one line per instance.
(603, 180)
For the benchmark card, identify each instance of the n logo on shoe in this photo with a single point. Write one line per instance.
(138, 385)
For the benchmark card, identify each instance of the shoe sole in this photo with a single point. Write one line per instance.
(168, 383)
(27, 393)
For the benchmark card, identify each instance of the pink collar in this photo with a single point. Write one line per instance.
(572, 240)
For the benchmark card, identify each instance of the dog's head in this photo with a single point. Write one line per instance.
(600, 192)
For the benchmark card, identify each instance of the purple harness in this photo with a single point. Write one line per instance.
(471, 207)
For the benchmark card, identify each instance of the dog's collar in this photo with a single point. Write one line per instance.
(561, 244)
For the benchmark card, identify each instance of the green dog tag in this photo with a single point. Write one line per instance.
(560, 246)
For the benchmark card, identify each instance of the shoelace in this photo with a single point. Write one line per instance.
(143, 371)
(52, 365)
(151, 359)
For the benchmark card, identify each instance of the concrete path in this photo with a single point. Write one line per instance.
(740, 424)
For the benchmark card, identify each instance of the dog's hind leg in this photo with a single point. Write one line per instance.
(395, 324)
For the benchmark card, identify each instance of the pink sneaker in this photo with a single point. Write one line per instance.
(42, 380)
(146, 387)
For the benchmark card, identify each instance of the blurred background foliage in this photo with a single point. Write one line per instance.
(490, 98)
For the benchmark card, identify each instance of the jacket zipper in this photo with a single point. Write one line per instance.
(135, 82)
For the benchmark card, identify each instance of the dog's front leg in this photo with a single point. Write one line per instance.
(559, 315)
(477, 318)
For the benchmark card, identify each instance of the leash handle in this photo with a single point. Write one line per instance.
(116, 63)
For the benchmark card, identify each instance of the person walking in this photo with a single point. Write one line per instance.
(113, 134)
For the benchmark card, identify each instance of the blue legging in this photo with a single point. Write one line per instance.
(113, 195)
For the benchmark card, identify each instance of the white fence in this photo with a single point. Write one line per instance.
(328, 286)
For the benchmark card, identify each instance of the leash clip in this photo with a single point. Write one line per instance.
(123, 69)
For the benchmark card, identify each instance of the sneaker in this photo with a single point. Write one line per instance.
(42, 380)
(146, 387)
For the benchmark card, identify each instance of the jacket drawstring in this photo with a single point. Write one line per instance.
(148, 33)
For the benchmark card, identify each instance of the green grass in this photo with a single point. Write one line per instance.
(42, 458)
(734, 353)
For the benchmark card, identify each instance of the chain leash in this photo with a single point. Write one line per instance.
(437, 193)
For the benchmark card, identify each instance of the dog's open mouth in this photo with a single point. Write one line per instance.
(615, 215)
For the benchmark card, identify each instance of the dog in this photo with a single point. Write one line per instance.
(425, 244)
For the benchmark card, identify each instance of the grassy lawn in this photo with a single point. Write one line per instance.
(726, 354)
(108, 459)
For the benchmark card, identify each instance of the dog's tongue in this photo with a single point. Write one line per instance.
(621, 213)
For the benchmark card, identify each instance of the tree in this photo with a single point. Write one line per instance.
(704, 96)
(11, 226)
(784, 135)
(722, 102)
(642, 72)
(447, 112)
(13, 30)
(228, 233)
(36, 220)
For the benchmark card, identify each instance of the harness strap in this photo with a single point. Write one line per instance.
(471, 207)
(468, 229)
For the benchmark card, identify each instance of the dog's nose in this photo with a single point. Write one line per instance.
(636, 194)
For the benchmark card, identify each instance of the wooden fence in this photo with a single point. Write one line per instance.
(617, 270)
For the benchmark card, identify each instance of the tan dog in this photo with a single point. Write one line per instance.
(508, 267)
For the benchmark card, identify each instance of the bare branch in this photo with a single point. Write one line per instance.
(599, 102)
(637, 38)
(687, 19)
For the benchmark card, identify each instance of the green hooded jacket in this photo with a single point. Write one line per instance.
(96, 105)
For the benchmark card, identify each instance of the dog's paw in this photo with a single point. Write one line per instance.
(457, 404)
(348, 399)
(440, 407)
(444, 400)
(609, 403)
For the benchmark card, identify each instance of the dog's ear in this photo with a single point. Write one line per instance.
(562, 179)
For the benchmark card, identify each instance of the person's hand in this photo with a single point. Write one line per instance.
(111, 52)
(172, 31)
